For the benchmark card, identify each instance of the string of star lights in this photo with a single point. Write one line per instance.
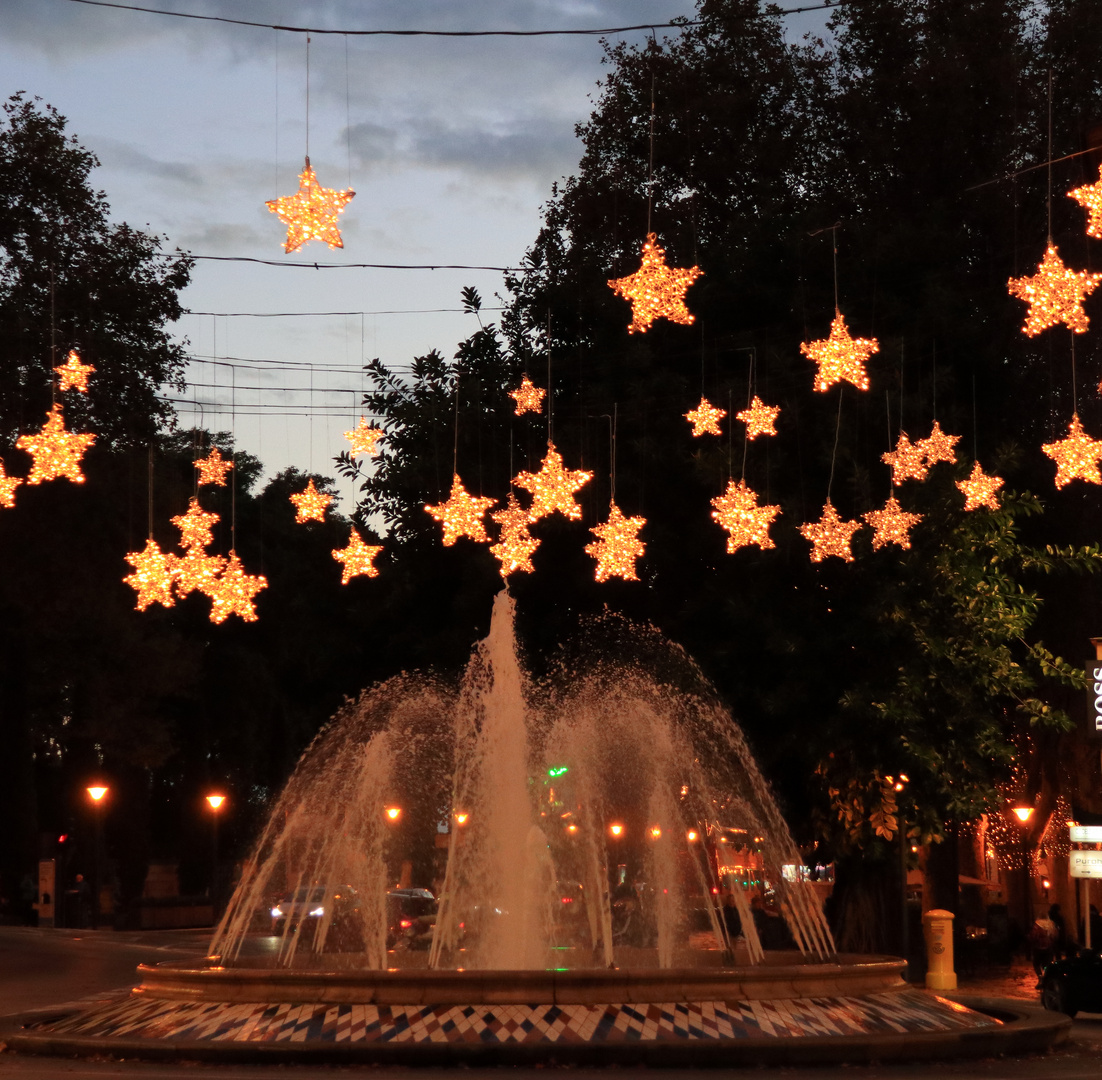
(528, 396)
(705, 418)
(937, 446)
(213, 468)
(655, 290)
(235, 592)
(1089, 196)
(840, 357)
(1076, 456)
(56, 452)
(154, 570)
(553, 487)
(891, 525)
(8, 484)
(980, 489)
(617, 546)
(73, 375)
(310, 504)
(363, 438)
(461, 514)
(759, 418)
(907, 460)
(515, 545)
(830, 535)
(357, 558)
(746, 522)
(1055, 295)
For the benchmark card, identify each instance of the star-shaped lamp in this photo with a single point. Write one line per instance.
(705, 418)
(979, 489)
(8, 484)
(73, 375)
(198, 572)
(617, 545)
(1055, 294)
(759, 418)
(462, 514)
(357, 558)
(840, 356)
(310, 504)
(1090, 197)
(937, 446)
(311, 213)
(746, 522)
(908, 461)
(235, 591)
(364, 437)
(56, 452)
(195, 526)
(892, 525)
(553, 487)
(656, 291)
(154, 574)
(528, 396)
(515, 544)
(213, 468)
(1076, 456)
(830, 535)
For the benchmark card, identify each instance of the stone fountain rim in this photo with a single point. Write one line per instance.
(842, 975)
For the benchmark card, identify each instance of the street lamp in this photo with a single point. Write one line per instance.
(214, 801)
(1023, 812)
(96, 793)
(616, 829)
(393, 813)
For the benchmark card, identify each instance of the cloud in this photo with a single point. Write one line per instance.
(114, 154)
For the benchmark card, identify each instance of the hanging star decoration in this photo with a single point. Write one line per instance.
(705, 418)
(462, 514)
(56, 452)
(310, 504)
(1090, 197)
(515, 544)
(617, 545)
(213, 468)
(656, 291)
(364, 437)
(830, 535)
(840, 356)
(73, 375)
(235, 591)
(759, 418)
(979, 489)
(198, 572)
(1055, 294)
(908, 461)
(1076, 456)
(892, 525)
(8, 484)
(357, 558)
(553, 487)
(528, 396)
(746, 522)
(195, 526)
(937, 446)
(153, 577)
(311, 213)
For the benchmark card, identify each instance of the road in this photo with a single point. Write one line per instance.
(42, 969)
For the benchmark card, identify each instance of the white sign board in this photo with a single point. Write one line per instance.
(1085, 834)
(1086, 864)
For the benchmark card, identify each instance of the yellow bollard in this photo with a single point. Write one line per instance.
(937, 928)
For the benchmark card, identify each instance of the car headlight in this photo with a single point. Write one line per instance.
(318, 911)
(277, 912)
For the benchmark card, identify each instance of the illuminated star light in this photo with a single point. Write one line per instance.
(462, 514)
(1076, 456)
(553, 487)
(705, 418)
(515, 545)
(759, 418)
(311, 213)
(213, 468)
(8, 484)
(937, 446)
(656, 291)
(310, 504)
(617, 546)
(1090, 197)
(892, 525)
(73, 375)
(840, 356)
(357, 558)
(235, 591)
(830, 535)
(364, 437)
(528, 396)
(1055, 294)
(195, 525)
(738, 512)
(56, 452)
(198, 572)
(908, 461)
(979, 489)
(154, 573)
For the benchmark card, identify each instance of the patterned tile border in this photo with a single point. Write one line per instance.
(901, 1013)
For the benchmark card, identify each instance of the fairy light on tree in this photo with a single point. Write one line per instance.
(56, 452)
(357, 558)
(73, 375)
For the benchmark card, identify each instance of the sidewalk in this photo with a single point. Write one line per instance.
(1016, 981)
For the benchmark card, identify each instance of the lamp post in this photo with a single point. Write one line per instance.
(96, 792)
(214, 801)
(1023, 812)
(898, 787)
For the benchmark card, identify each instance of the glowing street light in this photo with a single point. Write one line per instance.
(655, 832)
(461, 817)
(216, 801)
(616, 829)
(1023, 813)
(393, 813)
(97, 792)
(691, 836)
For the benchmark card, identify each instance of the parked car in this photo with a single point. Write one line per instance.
(411, 918)
(1073, 985)
(306, 907)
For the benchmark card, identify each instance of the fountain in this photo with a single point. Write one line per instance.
(538, 774)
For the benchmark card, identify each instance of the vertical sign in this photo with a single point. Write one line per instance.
(1094, 698)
